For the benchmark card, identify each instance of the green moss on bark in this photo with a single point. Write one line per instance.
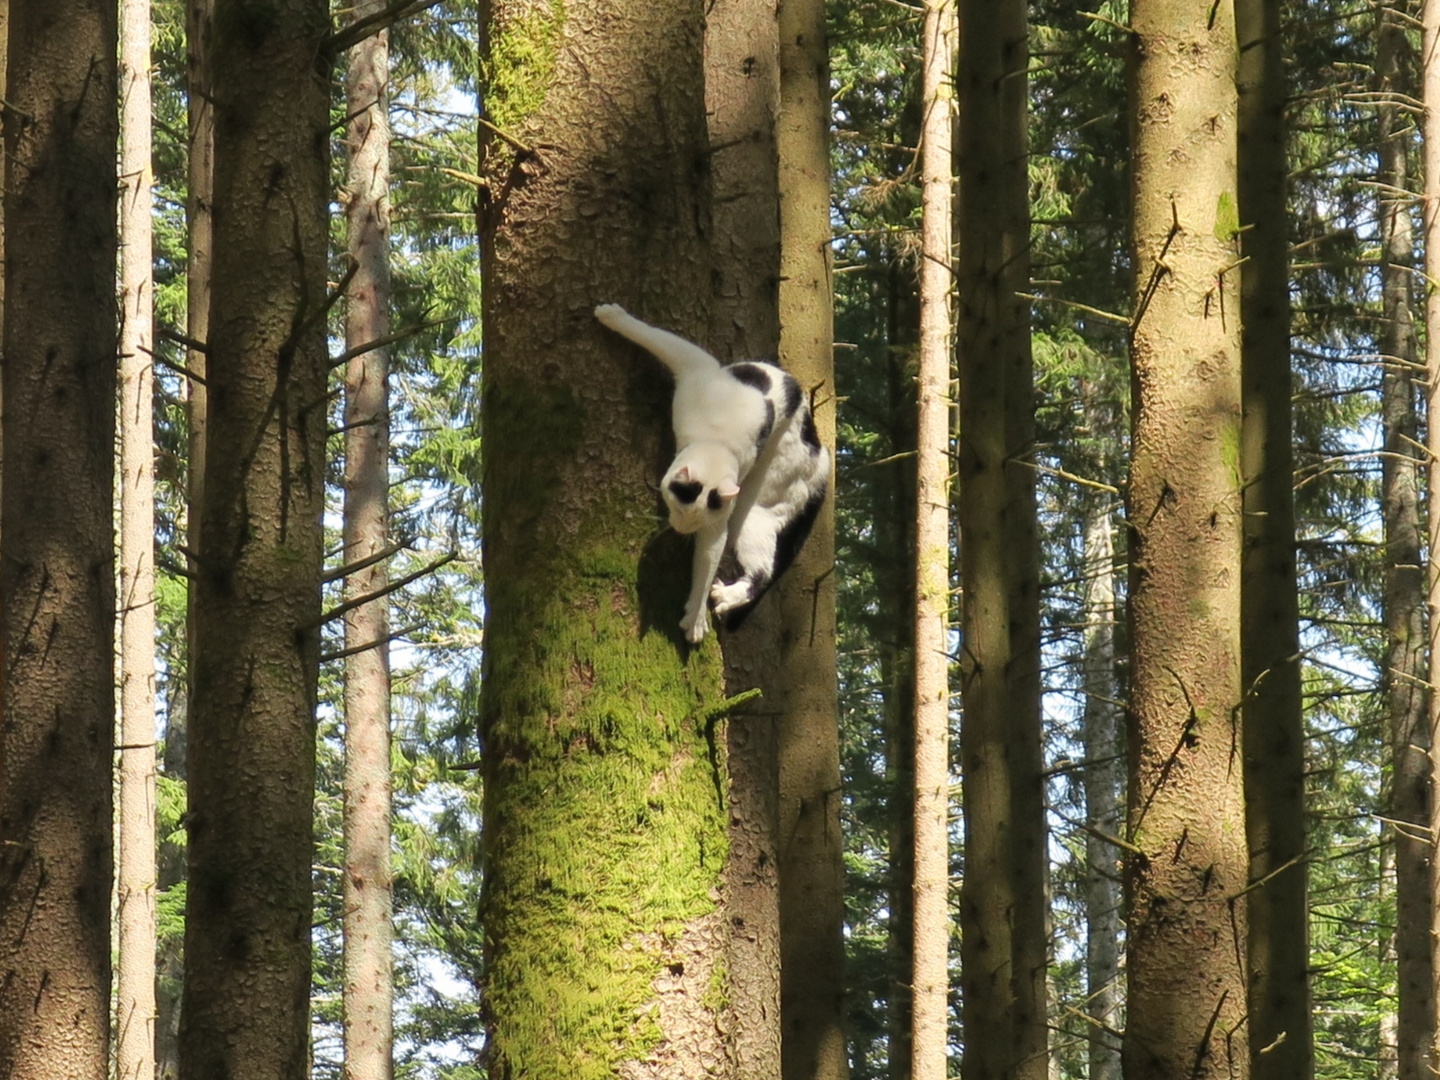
(521, 64)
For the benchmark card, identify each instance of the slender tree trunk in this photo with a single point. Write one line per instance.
(135, 969)
(1103, 778)
(199, 192)
(1278, 960)
(57, 586)
(1003, 921)
(1186, 804)
(930, 983)
(1405, 668)
(812, 876)
(604, 958)
(252, 739)
(1388, 1067)
(742, 88)
(1430, 86)
(367, 892)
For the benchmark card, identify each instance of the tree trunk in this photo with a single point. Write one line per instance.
(1003, 923)
(812, 875)
(1278, 960)
(930, 982)
(199, 192)
(252, 739)
(1405, 669)
(1186, 804)
(1103, 777)
(57, 592)
(367, 891)
(742, 87)
(605, 818)
(1430, 84)
(135, 968)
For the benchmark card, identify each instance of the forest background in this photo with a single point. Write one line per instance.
(1354, 222)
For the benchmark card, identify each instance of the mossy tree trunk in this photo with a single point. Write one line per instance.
(742, 87)
(812, 881)
(1405, 671)
(252, 735)
(1278, 961)
(1188, 860)
(1003, 914)
(57, 592)
(604, 745)
(1430, 95)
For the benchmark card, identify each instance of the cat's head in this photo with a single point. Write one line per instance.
(700, 487)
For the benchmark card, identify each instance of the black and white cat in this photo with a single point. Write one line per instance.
(749, 469)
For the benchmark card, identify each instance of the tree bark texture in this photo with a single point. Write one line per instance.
(930, 980)
(604, 747)
(812, 875)
(135, 885)
(252, 739)
(1003, 914)
(367, 928)
(1278, 960)
(57, 591)
(742, 88)
(1405, 669)
(1430, 95)
(1188, 862)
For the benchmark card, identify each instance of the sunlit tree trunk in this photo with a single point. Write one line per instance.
(252, 735)
(1188, 857)
(135, 967)
(742, 86)
(1405, 670)
(57, 586)
(1430, 86)
(930, 983)
(812, 881)
(1003, 914)
(1280, 1026)
(367, 926)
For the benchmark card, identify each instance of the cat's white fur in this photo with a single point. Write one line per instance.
(729, 482)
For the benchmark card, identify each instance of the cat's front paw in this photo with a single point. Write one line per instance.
(695, 625)
(611, 314)
(729, 597)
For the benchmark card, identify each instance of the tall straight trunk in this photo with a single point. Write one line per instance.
(812, 874)
(1278, 960)
(1405, 668)
(199, 192)
(57, 589)
(1003, 922)
(252, 736)
(1187, 859)
(930, 982)
(135, 967)
(1430, 96)
(605, 957)
(1103, 778)
(742, 88)
(367, 891)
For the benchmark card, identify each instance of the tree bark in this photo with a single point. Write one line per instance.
(1003, 914)
(57, 592)
(604, 956)
(135, 967)
(1405, 669)
(367, 890)
(812, 875)
(1187, 861)
(1278, 960)
(742, 88)
(252, 739)
(1430, 96)
(930, 981)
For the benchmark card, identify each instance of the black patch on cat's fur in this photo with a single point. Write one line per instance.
(793, 395)
(808, 434)
(751, 375)
(769, 424)
(687, 491)
(714, 501)
(787, 545)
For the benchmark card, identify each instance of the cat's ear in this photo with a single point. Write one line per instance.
(727, 490)
(683, 476)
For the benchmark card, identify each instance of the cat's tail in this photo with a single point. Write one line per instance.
(679, 355)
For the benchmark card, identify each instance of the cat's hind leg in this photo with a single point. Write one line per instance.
(755, 547)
